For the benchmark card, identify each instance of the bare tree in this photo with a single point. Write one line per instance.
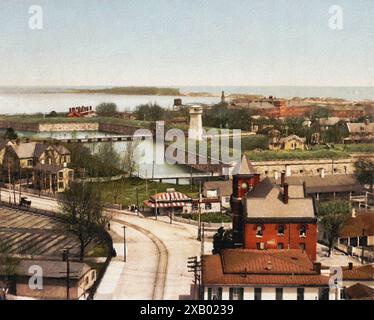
(129, 164)
(83, 206)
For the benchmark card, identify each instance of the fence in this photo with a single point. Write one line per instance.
(209, 225)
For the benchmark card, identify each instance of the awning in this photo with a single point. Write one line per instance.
(170, 196)
(164, 204)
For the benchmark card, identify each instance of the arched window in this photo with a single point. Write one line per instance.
(281, 230)
(302, 230)
(259, 231)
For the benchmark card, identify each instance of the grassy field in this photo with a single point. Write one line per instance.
(296, 155)
(209, 217)
(39, 118)
(124, 191)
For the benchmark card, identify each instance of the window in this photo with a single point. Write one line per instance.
(281, 230)
(61, 185)
(208, 206)
(236, 293)
(258, 293)
(61, 175)
(302, 231)
(302, 246)
(278, 293)
(215, 293)
(259, 231)
(300, 293)
(29, 163)
(195, 207)
(280, 246)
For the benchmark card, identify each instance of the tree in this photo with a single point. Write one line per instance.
(149, 112)
(107, 109)
(8, 269)
(10, 134)
(320, 113)
(365, 172)
(129, 164)
(333, 215)
(83, 206)
(222, 240)
(108, 160)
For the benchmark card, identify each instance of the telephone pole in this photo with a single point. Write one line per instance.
(124, 244)
(199, 227)
(65, 256)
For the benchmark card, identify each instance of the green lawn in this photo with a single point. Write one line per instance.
(209, 217)
(296, 155)
(39, 118)
(124, 191)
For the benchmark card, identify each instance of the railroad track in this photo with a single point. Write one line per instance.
(162, 263)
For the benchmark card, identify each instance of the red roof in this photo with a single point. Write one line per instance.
(255, 267)
(170, 196)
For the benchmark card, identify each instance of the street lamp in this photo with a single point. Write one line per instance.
(124, 244)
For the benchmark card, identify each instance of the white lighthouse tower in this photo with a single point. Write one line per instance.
(195, 131)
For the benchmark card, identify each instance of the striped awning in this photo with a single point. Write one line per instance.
(170, 196)
(164, 204)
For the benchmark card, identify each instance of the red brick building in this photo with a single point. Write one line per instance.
(270, 216)
(283, 110)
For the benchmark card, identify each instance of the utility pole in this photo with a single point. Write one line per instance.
(194, 266)
(202, 239)
(156, 205)
(124, 244)
(199, 227)
(146, 183)
(65, 257)
(9, 190)
(137, 200)
(362, 247)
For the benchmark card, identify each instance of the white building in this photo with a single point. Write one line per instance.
(195, 131)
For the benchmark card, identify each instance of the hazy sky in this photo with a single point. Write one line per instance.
(194, 42)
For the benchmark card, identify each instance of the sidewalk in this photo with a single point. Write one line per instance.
(135, 278)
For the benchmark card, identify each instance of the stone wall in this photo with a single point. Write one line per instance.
(58, 127)
(19, 126)
(308, 167)
(117, 128)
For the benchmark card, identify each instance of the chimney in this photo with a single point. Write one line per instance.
(317, 267)
(350, 265)
(283, 177)
(285, 193)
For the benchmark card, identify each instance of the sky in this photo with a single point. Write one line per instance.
(182, 43)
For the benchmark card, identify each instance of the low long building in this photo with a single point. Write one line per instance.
(239, 274)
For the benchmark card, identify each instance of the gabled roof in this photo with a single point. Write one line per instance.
(224, 187)
(360, 127)
(292, 137)
(359, 273)
(327, 184)
(355, 226)
(266, 201)
(255, 267)
(360, 291)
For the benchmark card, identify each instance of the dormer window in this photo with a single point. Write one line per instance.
(281, 230)
(259, 231)
(302, 231)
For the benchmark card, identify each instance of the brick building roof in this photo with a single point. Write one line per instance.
(266, 201)
(354, 226)
(360, 291)
(359, 273)
(224, 188)
(254, 267)
(327, 184)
